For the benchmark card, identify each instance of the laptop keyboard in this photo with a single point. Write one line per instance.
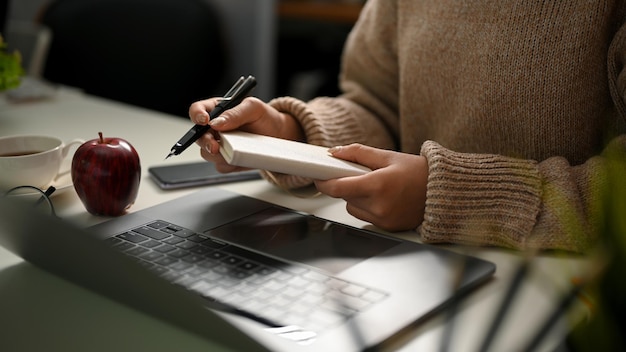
(265, 287)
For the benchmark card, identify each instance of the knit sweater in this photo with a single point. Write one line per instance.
(511, 102)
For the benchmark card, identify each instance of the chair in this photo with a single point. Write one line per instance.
(158, 54)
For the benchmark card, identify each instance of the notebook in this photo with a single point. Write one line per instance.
(250, 275)
(285, 156)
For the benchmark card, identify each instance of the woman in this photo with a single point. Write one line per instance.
(500, 111)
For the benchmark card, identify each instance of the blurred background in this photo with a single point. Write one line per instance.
(165, 54)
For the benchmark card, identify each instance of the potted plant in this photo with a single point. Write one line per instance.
(10, 67)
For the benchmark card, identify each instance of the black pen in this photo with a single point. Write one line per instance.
(232, 98)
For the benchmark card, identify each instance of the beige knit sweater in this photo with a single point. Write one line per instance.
(511, 102)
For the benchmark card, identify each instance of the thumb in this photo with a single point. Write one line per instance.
(373, 158)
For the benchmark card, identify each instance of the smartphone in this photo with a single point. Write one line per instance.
(196, 174)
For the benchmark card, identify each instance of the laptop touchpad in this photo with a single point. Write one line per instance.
(292, 236)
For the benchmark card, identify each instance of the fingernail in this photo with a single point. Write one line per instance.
(208, 148)
(335, 149)
(217, 121)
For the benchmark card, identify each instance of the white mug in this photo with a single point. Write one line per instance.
(31, 160)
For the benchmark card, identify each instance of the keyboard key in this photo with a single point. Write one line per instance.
(315, 276)
(135, 252)
(274, 286)
(124, 246)
(113, 241)
(183, 233)
(170, 229)
(196, 237)
(292, 292)
(180, 266)
(232, 260)
(178, 253)
(158, 224)
(311, 299)
(185, 280)
(150, 243)
(165, 261)
(336, 284)
(132, 237)
(211, 276)
(165, 248)
(217, 255)
(266, 271)
(151, 255)
(240, 274)
(173, 240)
(200, 249)
(202, 287)
(172, 276)
(353, 290)
(208, 264)
(152, 233)
(197, 271)
(298, 281)
(192, 258)
(173, 228)
(187, 245)
(248, 266)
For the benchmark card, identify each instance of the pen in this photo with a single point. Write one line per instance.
(232, 98)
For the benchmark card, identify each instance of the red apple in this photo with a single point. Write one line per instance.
(106, 174)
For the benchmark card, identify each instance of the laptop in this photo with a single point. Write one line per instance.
(251, 275)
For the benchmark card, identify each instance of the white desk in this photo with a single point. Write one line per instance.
(39, 310)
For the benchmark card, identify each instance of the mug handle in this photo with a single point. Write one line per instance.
(66, 147)
(64, 150)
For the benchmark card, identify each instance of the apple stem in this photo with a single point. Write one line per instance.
(101, 138)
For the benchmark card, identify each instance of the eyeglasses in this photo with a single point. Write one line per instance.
(39, 198)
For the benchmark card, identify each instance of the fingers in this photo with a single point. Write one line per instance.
(215, 157)
(247, 112)
(209, 143)
(198, 111)
(345, 187)
(373, 158)
(392, 196)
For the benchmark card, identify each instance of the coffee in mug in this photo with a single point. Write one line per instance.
(31, 160)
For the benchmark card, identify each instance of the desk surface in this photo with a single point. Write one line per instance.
(39, 309)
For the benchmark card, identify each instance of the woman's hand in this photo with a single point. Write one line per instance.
(251, 115)
(391, 197)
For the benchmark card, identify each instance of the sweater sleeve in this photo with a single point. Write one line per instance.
(483, 199)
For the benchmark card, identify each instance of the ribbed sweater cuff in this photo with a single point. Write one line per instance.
(324, 121)
(479, 199)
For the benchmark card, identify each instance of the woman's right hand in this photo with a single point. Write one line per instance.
(251, 115)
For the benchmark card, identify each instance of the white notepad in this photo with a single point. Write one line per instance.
(285, 156)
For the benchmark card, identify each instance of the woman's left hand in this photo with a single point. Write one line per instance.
(391, 197)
